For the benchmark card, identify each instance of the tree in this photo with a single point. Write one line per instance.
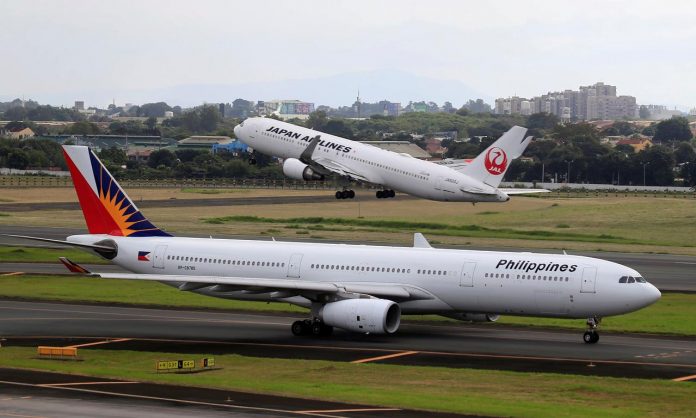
(83, 128)
(161, 157)
(17, 159)
(659, 170)
(624, 128)
(317, 120)
(339, 128)
(684, 153)
(674, 129)
(643, 112)
(542, 120)
(210, 117)
(15, 113)
(151, 123)
(113, 155)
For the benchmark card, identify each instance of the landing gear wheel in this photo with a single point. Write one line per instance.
(380, 194)
(252, 161)
(298, 328)
(590, 337)
(390, 193)
(317, 329)
(351, 194)
(339, 195)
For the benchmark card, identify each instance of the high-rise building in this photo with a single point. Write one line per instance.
(598, 101)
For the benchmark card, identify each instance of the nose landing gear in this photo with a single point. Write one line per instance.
(591, 336)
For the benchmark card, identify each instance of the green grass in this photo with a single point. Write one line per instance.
(466, 391)
(471, 230)
(46, 255)
(674, 314)
(4, 214)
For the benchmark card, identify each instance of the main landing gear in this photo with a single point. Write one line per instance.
(345, 194)
(314, 327)
(591, 336)
(385, 194)
(252, 159)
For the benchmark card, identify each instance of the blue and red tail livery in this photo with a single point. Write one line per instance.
(106, 207)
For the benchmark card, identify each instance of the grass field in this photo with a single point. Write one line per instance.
(674, 314)
(485, 392)
(46, 255)
(633, 223)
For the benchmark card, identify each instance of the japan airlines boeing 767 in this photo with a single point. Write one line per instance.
(311, 155)
(357, 288)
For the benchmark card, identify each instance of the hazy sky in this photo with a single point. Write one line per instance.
(62, 49)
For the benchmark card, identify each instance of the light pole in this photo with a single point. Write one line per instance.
(568, 173)
(644, 164)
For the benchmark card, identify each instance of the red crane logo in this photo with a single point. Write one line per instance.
(496, 161)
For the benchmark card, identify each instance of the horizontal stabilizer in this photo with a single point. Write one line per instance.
(72, 266)
(523, 191)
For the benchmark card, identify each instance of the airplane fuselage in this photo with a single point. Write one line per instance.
(445, 281)
(375, 165)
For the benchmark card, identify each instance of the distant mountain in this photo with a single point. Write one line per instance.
(336, 90)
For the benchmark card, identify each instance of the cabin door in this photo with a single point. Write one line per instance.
(294, 265)
(467, 277)
(158, 261)
(589, 276)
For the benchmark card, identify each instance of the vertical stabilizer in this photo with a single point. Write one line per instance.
(106, 207)
(490, 166)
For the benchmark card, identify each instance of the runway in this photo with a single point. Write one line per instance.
(483, 346)
(667, 272)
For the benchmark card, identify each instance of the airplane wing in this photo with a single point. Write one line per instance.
(325, 165)
(523, 191)
(285, 287)
(340, 169)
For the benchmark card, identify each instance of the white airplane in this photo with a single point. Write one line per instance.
(312, 155)
(358, 288)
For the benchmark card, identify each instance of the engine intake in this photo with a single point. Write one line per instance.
(376, 316)
(296, 169)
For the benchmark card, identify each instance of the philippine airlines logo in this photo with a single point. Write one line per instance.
(143, 255)
(496, 161)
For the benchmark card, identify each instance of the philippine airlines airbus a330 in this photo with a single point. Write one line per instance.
(311, 155)
(357, 288)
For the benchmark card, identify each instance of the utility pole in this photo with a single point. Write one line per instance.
(644, 164)
(568, 173)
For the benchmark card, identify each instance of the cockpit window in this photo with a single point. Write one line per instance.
(623, 279)
(631, 280)
(241, 125)
(641, 280)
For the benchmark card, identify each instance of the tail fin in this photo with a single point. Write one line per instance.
(490, 166)
(106, 207)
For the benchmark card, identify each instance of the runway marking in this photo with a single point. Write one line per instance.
(108, 341)
(685, 378)
(158, 398)
(51, 385)
(14, 273)
(336, 411)
(683, 262)
(388, 356)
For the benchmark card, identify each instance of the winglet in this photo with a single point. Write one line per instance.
(72, 266)
(419, 241)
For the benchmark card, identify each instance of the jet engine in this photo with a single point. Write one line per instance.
(296, 169)
(377, 316)
(472, 317)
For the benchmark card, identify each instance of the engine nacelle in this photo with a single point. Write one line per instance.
(472, 317)
(296, 169)
(376, 316)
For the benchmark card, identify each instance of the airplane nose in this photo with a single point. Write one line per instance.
(653, 294)
(236, 131)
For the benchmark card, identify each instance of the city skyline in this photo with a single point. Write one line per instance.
(61, 51)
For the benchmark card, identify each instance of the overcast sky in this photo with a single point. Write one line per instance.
(55, 50)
